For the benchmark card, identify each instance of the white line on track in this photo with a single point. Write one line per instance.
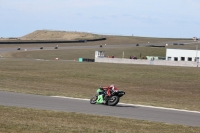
(137, 105)
(71, 98)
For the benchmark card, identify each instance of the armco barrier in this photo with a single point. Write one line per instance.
(38, 41)
(47, 41)
(92, 40)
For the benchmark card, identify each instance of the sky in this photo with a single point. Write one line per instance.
(148, 18)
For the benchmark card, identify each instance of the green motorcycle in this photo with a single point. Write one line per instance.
(110, 100)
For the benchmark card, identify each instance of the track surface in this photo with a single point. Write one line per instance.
(83, 106)
(5, 50)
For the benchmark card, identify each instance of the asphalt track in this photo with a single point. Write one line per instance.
(5, 50)
(171, 116)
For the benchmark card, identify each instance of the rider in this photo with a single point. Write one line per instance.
(109, 89)
(100, 95)
(106, 91)
(100, 91)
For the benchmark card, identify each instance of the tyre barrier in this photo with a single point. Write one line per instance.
(49, 41)
(86, 60)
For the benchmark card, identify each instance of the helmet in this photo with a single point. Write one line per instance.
(112, 86)
(101, 87)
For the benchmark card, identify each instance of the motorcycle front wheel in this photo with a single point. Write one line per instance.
(113, 100)
(93, 100)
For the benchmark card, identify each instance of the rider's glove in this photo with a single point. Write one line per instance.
(112, 92)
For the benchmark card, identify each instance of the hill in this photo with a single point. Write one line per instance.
(67, 35)
(58, 35)
(50, 35)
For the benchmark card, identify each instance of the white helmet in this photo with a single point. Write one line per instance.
(112, 86)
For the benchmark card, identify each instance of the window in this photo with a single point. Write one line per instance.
(182, 58)
(175, 58)
(189, 58)
(169, 58)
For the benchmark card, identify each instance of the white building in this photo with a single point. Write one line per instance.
(182, 55)
(99, 54)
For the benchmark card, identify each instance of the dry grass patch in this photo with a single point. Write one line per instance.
(30, 120)
(58, 35)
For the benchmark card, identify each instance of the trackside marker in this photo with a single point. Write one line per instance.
(137, 105)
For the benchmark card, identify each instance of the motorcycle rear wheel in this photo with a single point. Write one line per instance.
(113, 100)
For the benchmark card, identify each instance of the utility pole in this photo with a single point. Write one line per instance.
(197, 59)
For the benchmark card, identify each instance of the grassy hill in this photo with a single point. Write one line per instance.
(58, 35)
(110, 39)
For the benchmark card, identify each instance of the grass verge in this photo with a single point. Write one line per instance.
(25, 120)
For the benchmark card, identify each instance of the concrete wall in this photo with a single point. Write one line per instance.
(147, 62)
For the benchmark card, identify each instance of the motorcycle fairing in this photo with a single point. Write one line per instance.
(100, 99)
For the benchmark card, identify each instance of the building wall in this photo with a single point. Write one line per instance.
(147, 62)
(182, 55)
(99, 54)
(173, 53)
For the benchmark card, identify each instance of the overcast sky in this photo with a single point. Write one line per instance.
(152, 18)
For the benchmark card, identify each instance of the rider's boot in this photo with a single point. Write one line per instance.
(100, 99)
(105, 99)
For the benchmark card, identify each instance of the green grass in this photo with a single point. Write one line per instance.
(24, 120)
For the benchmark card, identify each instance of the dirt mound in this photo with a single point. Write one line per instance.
(59, 35)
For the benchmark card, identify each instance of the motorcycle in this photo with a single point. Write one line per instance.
(111, 100)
